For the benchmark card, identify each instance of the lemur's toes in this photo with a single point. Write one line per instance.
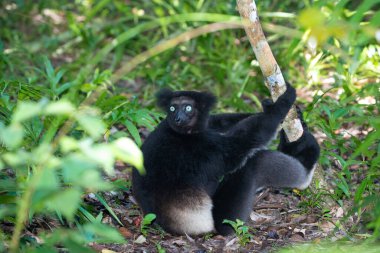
(266, 102)
(300, 116)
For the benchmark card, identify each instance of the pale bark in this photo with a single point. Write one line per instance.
(274, 79)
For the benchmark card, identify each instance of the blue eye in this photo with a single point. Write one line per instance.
(172, 108)
(188, 108)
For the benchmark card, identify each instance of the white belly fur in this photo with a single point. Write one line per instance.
(193, 219)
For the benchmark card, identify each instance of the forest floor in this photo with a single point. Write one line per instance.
(280, 218)
(277, 220)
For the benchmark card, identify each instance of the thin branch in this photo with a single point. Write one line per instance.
(274, 79)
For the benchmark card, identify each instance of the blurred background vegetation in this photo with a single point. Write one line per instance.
(77, 84)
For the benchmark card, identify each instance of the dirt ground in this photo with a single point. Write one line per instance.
(279, 218)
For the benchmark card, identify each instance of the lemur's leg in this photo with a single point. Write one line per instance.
(292, 166)
(305, 149)
(255, 132)
(236, 193)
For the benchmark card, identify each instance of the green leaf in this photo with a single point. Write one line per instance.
(12, 135)
(48, 67)
(364, 6)
(47, 185)
(66, 202)
(371, 138)
(91, 124)
(58, 76)
(59, 235)
(127, 151)
(109, 209)
(59, 107)
(79, 170)
(102, 154)
(148, 219)
(68, 144)
(18, 158)
(73, 167)
(341, 183)
(93, 180)
(43, 249)
(26, 110)
(231, 223)
(103, 232)
(143, 118)
(64, 87)
(360, 190)
(6, 210)
(74, 246)
(340, 113)
(87, 87)
(87, 214)
(42, 153)
(133, 131)
(375, 21)
(311, 17)
(48, 181)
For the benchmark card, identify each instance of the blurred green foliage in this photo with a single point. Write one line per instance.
(242, 231)
(61, 108)
(336, 247)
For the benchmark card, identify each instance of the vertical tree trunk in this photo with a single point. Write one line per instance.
(274, 79)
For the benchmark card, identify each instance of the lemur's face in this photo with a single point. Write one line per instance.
(182, 114)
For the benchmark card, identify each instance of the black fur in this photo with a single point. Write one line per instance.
(204, 99)
(222, 160)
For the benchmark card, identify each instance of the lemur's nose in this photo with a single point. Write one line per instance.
(178, 120)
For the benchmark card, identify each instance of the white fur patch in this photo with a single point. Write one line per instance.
(309, 177)
(193, 220)
(250, 154)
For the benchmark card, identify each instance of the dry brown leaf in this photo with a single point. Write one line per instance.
(311, 219)
(282, 232)
(300, 231)
(298, 219)
(297, 238)
(327, 226)
(179, 242)
(258, 218)
(126, 233)
(339, 212)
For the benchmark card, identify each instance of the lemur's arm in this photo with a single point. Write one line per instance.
(224, 121)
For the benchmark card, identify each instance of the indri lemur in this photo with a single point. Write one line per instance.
(202, 169)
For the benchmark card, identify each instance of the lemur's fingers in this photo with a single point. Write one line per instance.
(290, 93)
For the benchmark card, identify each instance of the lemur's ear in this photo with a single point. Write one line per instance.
(208, 100)
(163, 98)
